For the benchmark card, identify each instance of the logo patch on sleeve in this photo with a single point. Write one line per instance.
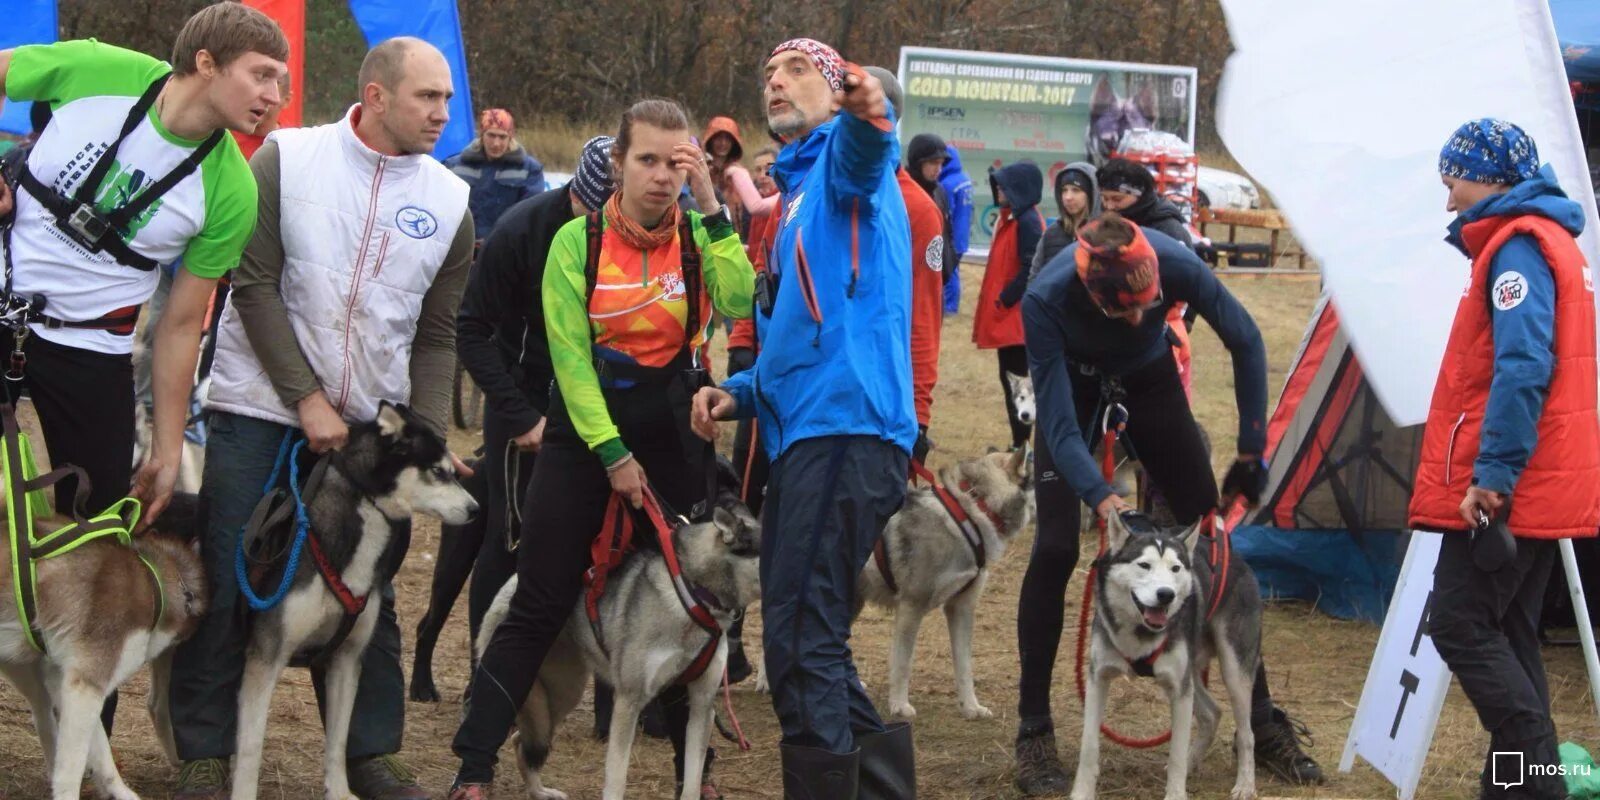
(934, 255)
(1509, 291)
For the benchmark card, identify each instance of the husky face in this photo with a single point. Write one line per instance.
(739, 546)
(412, 466)
(1022, 397)
(1148, 574)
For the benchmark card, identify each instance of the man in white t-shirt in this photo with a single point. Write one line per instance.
(134, 170)
(125, 125)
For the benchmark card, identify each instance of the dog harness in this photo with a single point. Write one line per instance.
(958, 515)
(614, 543)
(272, 514)
(26, 501)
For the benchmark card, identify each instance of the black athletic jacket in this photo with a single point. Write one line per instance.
(500, 328)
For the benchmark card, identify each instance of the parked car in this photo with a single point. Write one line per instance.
(1220, 188)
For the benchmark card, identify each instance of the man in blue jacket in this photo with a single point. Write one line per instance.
(499, 172)
(959, 187)
(832, 390)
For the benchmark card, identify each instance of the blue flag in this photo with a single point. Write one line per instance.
(27, 22)
(438, 23)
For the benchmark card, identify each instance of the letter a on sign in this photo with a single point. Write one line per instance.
(1407, 682)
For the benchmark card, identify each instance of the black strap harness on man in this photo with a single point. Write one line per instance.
(78, 217)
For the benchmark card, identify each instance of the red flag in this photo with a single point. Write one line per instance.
(291, 17)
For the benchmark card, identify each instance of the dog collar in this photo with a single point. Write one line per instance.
(1146, 667)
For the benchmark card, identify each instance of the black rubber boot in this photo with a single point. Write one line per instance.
(888, 764)
(811, 773)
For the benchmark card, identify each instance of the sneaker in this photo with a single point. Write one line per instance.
(1281, 747)
(202, 779)
(1039, 770)
(384, 777)
(469, 791)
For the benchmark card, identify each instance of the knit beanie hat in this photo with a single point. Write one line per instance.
(1489, 151)
(1119, 278)
(497, 119)
(825, 58)
(592, 181)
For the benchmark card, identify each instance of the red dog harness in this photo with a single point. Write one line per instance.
(606, 554)
(958, 515)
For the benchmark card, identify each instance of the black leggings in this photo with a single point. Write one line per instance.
(1014, 360)
(562, 513)
(1162, 433)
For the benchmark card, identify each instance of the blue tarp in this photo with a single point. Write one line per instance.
(1578, 30)
(1344, 575)
(438, 23)
(27, 22)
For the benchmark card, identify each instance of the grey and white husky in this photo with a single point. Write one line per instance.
(1152, 594)
(650, 641)
(390, 469)
(933, 566)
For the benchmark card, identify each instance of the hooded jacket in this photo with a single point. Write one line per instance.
(496, 184)
(1065, 231)
(1513, 409)
(959, 187)
(997, 322)
(835, 346)
(925, 146)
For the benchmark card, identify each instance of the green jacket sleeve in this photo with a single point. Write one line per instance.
(730, 278)
(566, 325)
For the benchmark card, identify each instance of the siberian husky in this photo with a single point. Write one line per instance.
(650, 641)
(390, 468)
(933, 565)
(1152, 598)
(1022, 397)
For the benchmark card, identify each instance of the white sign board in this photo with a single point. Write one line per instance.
(1407, 682)
(1340, 107)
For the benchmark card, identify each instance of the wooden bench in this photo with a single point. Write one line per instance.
(1270, 220)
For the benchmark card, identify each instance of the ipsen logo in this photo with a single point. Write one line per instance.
(1511, 770)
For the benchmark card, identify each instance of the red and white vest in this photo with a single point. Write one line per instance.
(1558, 494)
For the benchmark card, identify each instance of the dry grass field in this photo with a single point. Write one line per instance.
(1316, 664)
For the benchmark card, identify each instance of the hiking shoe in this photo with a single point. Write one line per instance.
(384, 777)
(1280, 747)
(202, 779)
(469, 791)
(1039, 769)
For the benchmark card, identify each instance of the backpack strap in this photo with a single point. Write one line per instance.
(594, 228)
(693, 278)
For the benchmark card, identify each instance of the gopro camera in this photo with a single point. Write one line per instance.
(87, 226)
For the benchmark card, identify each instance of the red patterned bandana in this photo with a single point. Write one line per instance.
(1122, 278)
(497, 119)
(824, 57)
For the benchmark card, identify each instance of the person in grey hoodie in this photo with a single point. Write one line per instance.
(1078, 198)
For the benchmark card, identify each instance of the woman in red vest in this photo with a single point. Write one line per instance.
(1512, 445)
(997, 322)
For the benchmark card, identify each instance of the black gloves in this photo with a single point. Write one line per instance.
(919, 451)
(1247, 477)
(1012, 294)
(740, 359)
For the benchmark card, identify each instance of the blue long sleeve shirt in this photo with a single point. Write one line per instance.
(1064, 329)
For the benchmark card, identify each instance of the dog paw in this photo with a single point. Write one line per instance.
(424, 692)
(761, 684)
(902, 711)
(547, 793)
(976, 711)
(117, 791)
(1175, 795)
(1079, 793)
(1243, 792)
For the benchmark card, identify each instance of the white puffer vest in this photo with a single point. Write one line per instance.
(363, 234)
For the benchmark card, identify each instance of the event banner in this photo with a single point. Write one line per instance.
(998, 109)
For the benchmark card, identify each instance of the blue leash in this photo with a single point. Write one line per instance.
(302, 528)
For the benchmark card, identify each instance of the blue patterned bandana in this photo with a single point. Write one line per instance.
(1489, 151)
